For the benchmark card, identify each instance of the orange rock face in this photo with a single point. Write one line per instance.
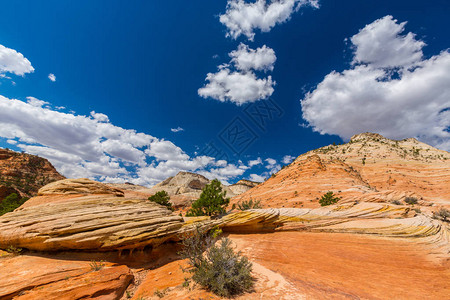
(368, 168)
(342, 266)
(34, 277)
(25, 173)
(305, 265)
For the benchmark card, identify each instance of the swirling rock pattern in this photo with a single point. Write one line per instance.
(89, 223)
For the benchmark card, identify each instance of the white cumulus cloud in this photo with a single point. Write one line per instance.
(236, 82)
(237, 87)
(52, 77)
(261, 59)
(243, 18)
(255, 162)
(14, 62)
(410, 100)
(91, 146)
(287, 159)
(381, 44)
(36, 102)
(256, 178)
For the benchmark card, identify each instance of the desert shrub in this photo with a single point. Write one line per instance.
(10, 203)
(97, 266)
(13, 250)
(328, 199)
(411, 200)
(442, 214)
(249, 204)
(212, 201)
(396, 202)
(216, 267)
(162, 198)
(160, 294)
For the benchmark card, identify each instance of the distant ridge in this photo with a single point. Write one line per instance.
(24, 173)
(369, 167)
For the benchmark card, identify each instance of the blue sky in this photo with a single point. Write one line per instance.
(132, 99)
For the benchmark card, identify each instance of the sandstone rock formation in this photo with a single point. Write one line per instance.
(368, 168)
(242, 186)
(362, 247)
(24, 173)
(82, 186)
(34, 277)
(91, 223)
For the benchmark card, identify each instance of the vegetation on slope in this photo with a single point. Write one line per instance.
(212, 201)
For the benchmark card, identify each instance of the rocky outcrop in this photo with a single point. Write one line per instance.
(24, 173)
(242, 186)
(70, 216)
(368, 168)
(34, 277)
(90, 223)
(79, 186)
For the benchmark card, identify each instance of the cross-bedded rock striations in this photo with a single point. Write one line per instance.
(368, 168)
(90, 222)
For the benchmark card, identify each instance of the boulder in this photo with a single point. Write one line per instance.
(89, 223)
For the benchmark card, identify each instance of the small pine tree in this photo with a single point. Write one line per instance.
(212, 201)
(250, 204)
(328, 199)
(162, 198)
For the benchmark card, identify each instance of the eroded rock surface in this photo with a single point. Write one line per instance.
(33, 277)
(368, 168)
(82, 186)
(89, 223)
(24, 174)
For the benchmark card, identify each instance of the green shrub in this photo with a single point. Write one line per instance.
(328, 199)
(442, 214)
(97, 266)
(250, 204)
(411, 200)
(162, 198)
(396, 202)
(13, 250)
(212, 201)
(10, 203)
(219, 270)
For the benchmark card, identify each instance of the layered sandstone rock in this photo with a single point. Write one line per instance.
(24, 173)
(72, 216)
(33, 277)
(242, 186)
(82, 186)
(89, 223)
(368, 168)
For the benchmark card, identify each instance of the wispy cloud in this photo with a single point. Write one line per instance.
(178, 129)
